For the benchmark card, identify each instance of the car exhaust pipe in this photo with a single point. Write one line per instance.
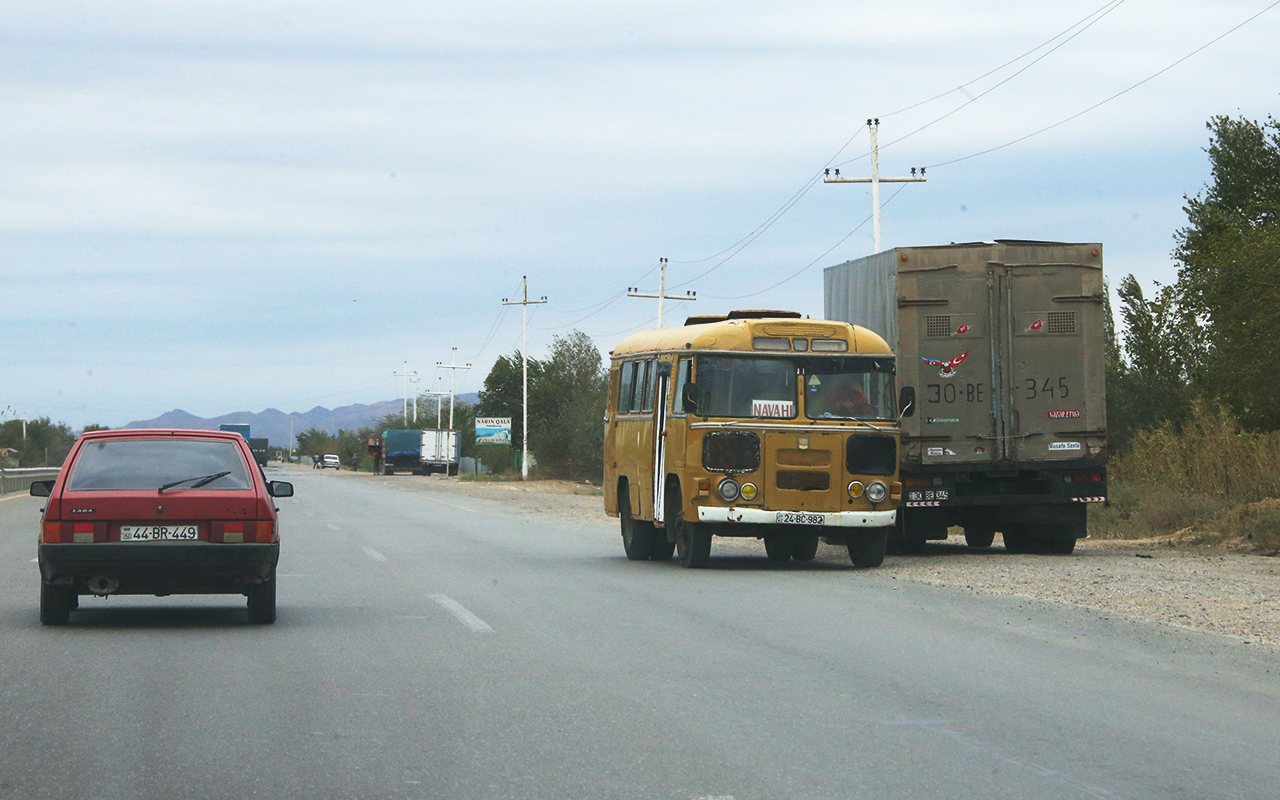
(102, 585)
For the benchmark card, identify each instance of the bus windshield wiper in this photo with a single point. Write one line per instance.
(200, 480)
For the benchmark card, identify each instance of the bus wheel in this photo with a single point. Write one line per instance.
(693, 540)
(804, 547)
(867, 549)
(777, 546)
(637, 535)
(663, 547)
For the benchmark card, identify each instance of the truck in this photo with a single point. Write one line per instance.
(400, 451)
(440, 452)
(241, 428)
(261, 449)
(1001, 351)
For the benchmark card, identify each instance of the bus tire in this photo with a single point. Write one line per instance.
(663, 547)
(693, 540)
(867, 549)
(637, 535)
(777, 546)
(804, 546)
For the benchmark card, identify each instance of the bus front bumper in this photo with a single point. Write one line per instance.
(829, 519)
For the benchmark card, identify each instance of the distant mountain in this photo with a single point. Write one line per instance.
(275, 424)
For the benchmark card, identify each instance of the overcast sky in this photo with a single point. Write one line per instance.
(231, 206)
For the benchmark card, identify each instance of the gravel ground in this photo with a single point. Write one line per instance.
(1199, 588)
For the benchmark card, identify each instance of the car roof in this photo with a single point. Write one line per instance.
(151, 433)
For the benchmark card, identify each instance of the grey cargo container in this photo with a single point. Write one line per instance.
(1001, 372)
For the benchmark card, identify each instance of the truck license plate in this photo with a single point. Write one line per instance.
(155, 533)
(792, 518)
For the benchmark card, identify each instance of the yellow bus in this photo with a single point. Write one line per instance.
(756, 424)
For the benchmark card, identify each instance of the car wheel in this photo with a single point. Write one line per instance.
(637, 535)
(867, 548)
(804, 547)
(55, 604)
(262, 602)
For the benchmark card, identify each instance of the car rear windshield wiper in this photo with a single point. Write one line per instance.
(200, 480)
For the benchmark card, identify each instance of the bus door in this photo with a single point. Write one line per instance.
(661, 398)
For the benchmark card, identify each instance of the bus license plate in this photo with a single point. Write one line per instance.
(155, 533)
(792, 518)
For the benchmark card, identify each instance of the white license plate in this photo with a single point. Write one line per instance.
(792, 518)
(156, 533)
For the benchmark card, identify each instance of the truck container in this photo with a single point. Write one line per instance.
(1001, 372)
(440, 452)
(401, 452)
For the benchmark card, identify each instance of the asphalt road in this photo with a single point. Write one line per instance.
(436, 646)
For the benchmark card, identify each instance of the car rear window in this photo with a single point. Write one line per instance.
(124, 464)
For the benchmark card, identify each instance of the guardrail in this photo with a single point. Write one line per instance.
(19, 480)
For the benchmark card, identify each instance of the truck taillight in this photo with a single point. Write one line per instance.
(1087, 477)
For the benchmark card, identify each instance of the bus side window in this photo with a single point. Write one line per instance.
(646, 387)
(682, 377)
(626, 383)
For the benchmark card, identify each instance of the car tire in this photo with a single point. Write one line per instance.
(262, 602)
(56, 604)
(867, 549)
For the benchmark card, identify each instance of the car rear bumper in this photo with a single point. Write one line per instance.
(160, 567)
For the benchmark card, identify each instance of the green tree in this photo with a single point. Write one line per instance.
(565, 409)
(38, 442)
(1229, 270)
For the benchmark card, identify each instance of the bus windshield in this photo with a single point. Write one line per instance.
(747, 386)
(848, 388)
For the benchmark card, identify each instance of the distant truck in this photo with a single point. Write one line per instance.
(241, 428)
(399, 451)
(261, 450)
(1001, 353)
(440, 452)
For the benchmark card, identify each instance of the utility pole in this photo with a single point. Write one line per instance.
(406, 375)
(524, 358)
(662, 291)
(415, 380)
(875, 180)
(439, 395)
(452, 365)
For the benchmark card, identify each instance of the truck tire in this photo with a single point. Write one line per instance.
(1017, 540)
(637, 535)
(979, 538)
(867, 548)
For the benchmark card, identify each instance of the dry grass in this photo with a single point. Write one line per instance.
(1210, 483)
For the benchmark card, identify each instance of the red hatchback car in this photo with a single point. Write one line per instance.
(159, 512)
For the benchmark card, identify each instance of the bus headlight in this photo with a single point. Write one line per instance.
(728, 490)
(748, 491)
(856, 489)
(877, 492)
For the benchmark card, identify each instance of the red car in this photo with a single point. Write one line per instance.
(159, 512)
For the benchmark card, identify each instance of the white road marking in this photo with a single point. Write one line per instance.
(454, 505)
(374, 554)
(464, 616)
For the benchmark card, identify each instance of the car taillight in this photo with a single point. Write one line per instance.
(53, 531)
(259, 531)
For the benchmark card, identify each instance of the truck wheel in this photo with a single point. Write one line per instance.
(804, 547)
(867, 549)
(262, 602)
(637, 535)
(56, 603)
(1016, 540)
(979, 538)
(1058, 545)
